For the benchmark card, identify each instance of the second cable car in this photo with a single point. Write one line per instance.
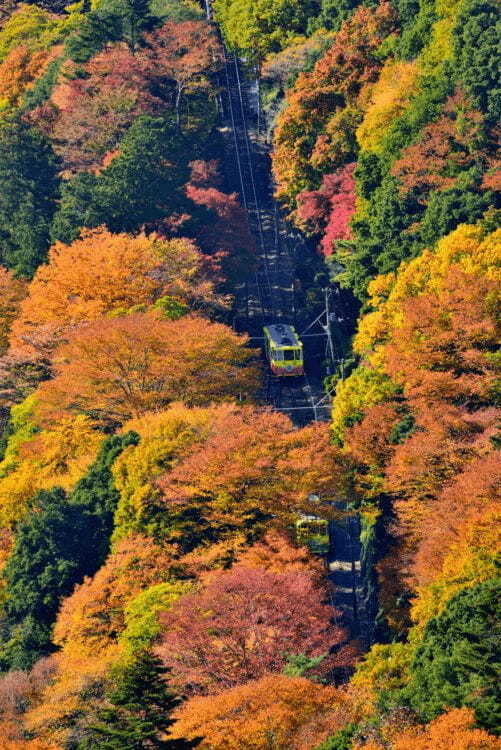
(284, 350)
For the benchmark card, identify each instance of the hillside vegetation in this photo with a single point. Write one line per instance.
(152, 590)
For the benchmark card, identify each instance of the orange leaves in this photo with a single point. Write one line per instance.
(443, 349)
(102, 273)
(93, 617)
(184, 52)
(316, 130)
(293, 713)
(462, 501)
(123, 367)
(451, 143)
(454, 729)
(18, 70)
(257, 460)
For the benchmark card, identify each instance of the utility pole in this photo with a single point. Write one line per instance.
(208, 10)
(327, 326)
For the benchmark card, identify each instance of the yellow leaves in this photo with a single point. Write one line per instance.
(467, 247)
(364, 388)
(385, 667)
(439, 48)
(164, 437)
(388, 98)
(35, 28)
(473, 559)
(57, 456)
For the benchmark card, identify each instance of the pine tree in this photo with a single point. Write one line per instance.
(139, 714)
(62, 541)
(28, 189)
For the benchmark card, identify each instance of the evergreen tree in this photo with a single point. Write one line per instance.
(62, 540)
(476, 45)
(152, 171)
(112, 21)
(28, 190)
(459, 661)
(139, 712)
(342, 740)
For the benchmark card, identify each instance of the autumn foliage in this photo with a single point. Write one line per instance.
(294, 712)
(102, 273)
(149, 497)
(117, 368)
(242, 625)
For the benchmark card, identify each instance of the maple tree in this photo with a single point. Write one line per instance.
(290, 712)
(42, 459)
(185, 53)
(228, 239)
(18, 71)
(453, 143)
(479, 482)
(452, 337)
(315, 131)
(469, 560)
(276, 553)
(387, 98)
(245, 455)
(207, 471)
(116, 368)
(328, 210)
(87, 630)
(86, 116)
(241, 625)
(102, 273)
(455, 728)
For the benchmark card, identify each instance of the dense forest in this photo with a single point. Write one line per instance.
(154, 592)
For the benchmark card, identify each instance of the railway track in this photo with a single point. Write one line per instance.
(269, 296)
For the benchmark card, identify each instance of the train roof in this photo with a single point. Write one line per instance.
(283, 335)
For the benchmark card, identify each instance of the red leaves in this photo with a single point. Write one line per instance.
(454, 142)
(241, 625)
(329, 209)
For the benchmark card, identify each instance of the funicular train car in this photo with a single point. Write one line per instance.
(284, 350)
(313, 532)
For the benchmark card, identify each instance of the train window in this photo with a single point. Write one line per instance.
(278, 355)
(289, 354)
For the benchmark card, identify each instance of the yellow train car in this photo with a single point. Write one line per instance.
(284, 350)
(313, 532)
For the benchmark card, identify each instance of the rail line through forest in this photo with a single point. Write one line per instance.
(269, 295)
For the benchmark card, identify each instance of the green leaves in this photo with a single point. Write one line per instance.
(140, 704)
(143, 184)
(29, 187)
(459, 661)
(63, 540)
